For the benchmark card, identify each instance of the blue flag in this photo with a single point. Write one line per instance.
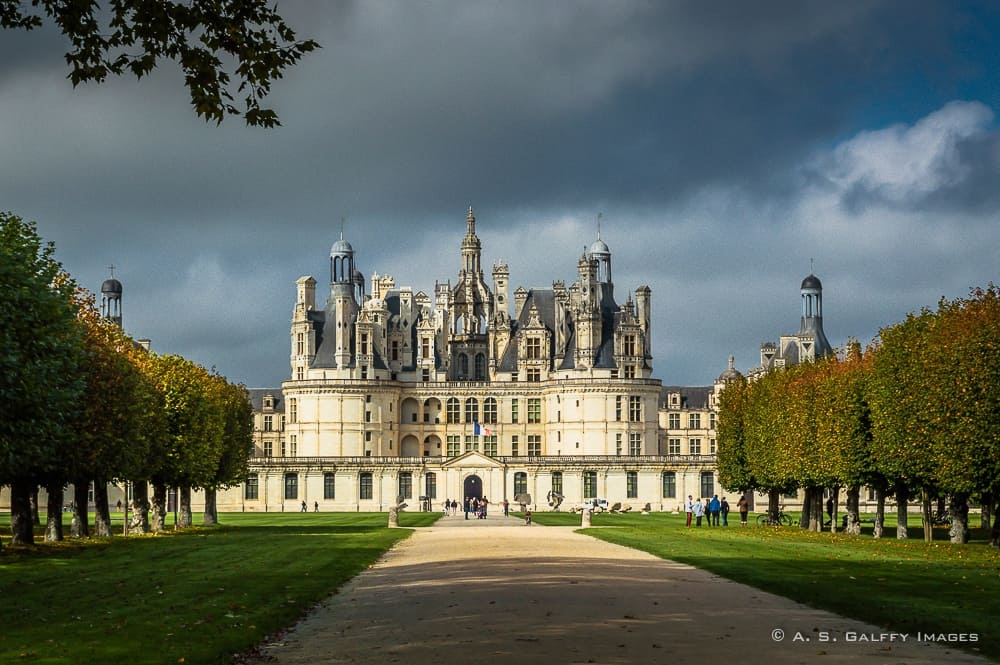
(475, 429)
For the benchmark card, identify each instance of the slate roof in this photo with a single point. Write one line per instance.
(692, 397)
(257, 398)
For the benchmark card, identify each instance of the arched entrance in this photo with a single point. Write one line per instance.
(474, 487)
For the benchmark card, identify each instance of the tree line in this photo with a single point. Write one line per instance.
(916, 416)
(84, 403)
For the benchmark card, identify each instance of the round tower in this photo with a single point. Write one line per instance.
(111, 299)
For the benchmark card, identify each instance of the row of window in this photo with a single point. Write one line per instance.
(694, 447)
(405, 485)
(453, 410)
(694, 420)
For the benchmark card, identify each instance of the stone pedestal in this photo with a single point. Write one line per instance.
(585, 521)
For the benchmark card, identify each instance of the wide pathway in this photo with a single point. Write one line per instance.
(496, 591)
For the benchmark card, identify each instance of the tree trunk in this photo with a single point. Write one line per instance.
(902, 495)
(816, 518)
(835, 495)
(21, 523)
(81, 513)
(959, 509)
(159, 506)
(773, 496)
(995, 533)
(806, 508)
(985, 516)
(140, 507)
(925, 513)
(184, 519)
(102, 512)
(36, 519)
(879, 512)
(53, 512)
(853, 510)
(211, 515)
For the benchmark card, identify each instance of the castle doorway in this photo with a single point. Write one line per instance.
(474, 487)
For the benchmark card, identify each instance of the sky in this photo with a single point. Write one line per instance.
(730, 149)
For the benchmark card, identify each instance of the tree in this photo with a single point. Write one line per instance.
(734, 468)
(233, 402)
(135, 35)
(40, 357)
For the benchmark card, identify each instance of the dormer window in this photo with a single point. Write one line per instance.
(534, 348)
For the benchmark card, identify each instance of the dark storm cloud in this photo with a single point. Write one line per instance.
(725, 144)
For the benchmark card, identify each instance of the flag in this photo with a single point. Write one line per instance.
(475, 429)
(487, 430)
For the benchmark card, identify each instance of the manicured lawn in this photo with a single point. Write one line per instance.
(197, 596)
(899, 585)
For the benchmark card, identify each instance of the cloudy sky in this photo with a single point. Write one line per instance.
(729, 146)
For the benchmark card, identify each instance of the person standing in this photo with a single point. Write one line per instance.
(486, 506)
(744, 507)
(688, 509)
(468, 506)
(705, 511)
(725, 512)
(699, 510)
(315, 506)
(714, 508)
(304, 506)
(506, 508)
(829, 511)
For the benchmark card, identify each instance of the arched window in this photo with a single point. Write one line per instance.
(329, 486)
(463, 366)
(520, 483)
(669, 485)
(430, 486)
(472, 410)
(406, 485)
(250, 489)
(480, 367)
(291, 485)
(490, 410)
(365, 486)
(453, 410)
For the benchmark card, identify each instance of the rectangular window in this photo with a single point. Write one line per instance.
(430, 486)
(557, 484)
(293, 410)
(694, 421)
(268, 423)
(329, 486)
(300, 344)
(293, 446)
(514, 446)
(490, 445)
(300, 374)
(395, 349)
(365, 486)
(673, 446)
(534, 445)
(268, 448)
(589, 484)
(711, 420)
(406, 485)
(513, 410)
(534, 410)
(674, 421)
(631, 484)
(368, 416)
(711, 446)
(454, 412)
(635, 408)
(251, 488)
(471, 443)
(425, 375)
(707, 483)
(694, 446)
(618, 407)
(291, 486)
(284, 449)
(635, 443)
(534, 376)
(669, 485)
(425, 348)
(368, 437)
(471, 410)
(618, 443)
(364, 344)
(454, 446)
(534, 347)
(629, 372)
(282, 422)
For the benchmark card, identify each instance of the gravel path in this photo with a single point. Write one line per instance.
(495, 591)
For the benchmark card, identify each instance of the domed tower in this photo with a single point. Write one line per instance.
(341, 307)
(812, 316)
(471, 247)
(601, 253)
(111, 299)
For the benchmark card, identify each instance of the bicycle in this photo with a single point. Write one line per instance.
(783, 519)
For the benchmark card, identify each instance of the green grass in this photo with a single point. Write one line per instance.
(196, 596)
(899, 585)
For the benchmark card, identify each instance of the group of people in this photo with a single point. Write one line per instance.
(474, 505)
(714, 510)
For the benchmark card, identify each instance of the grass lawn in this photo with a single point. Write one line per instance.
(903, 586)
(197, 596)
